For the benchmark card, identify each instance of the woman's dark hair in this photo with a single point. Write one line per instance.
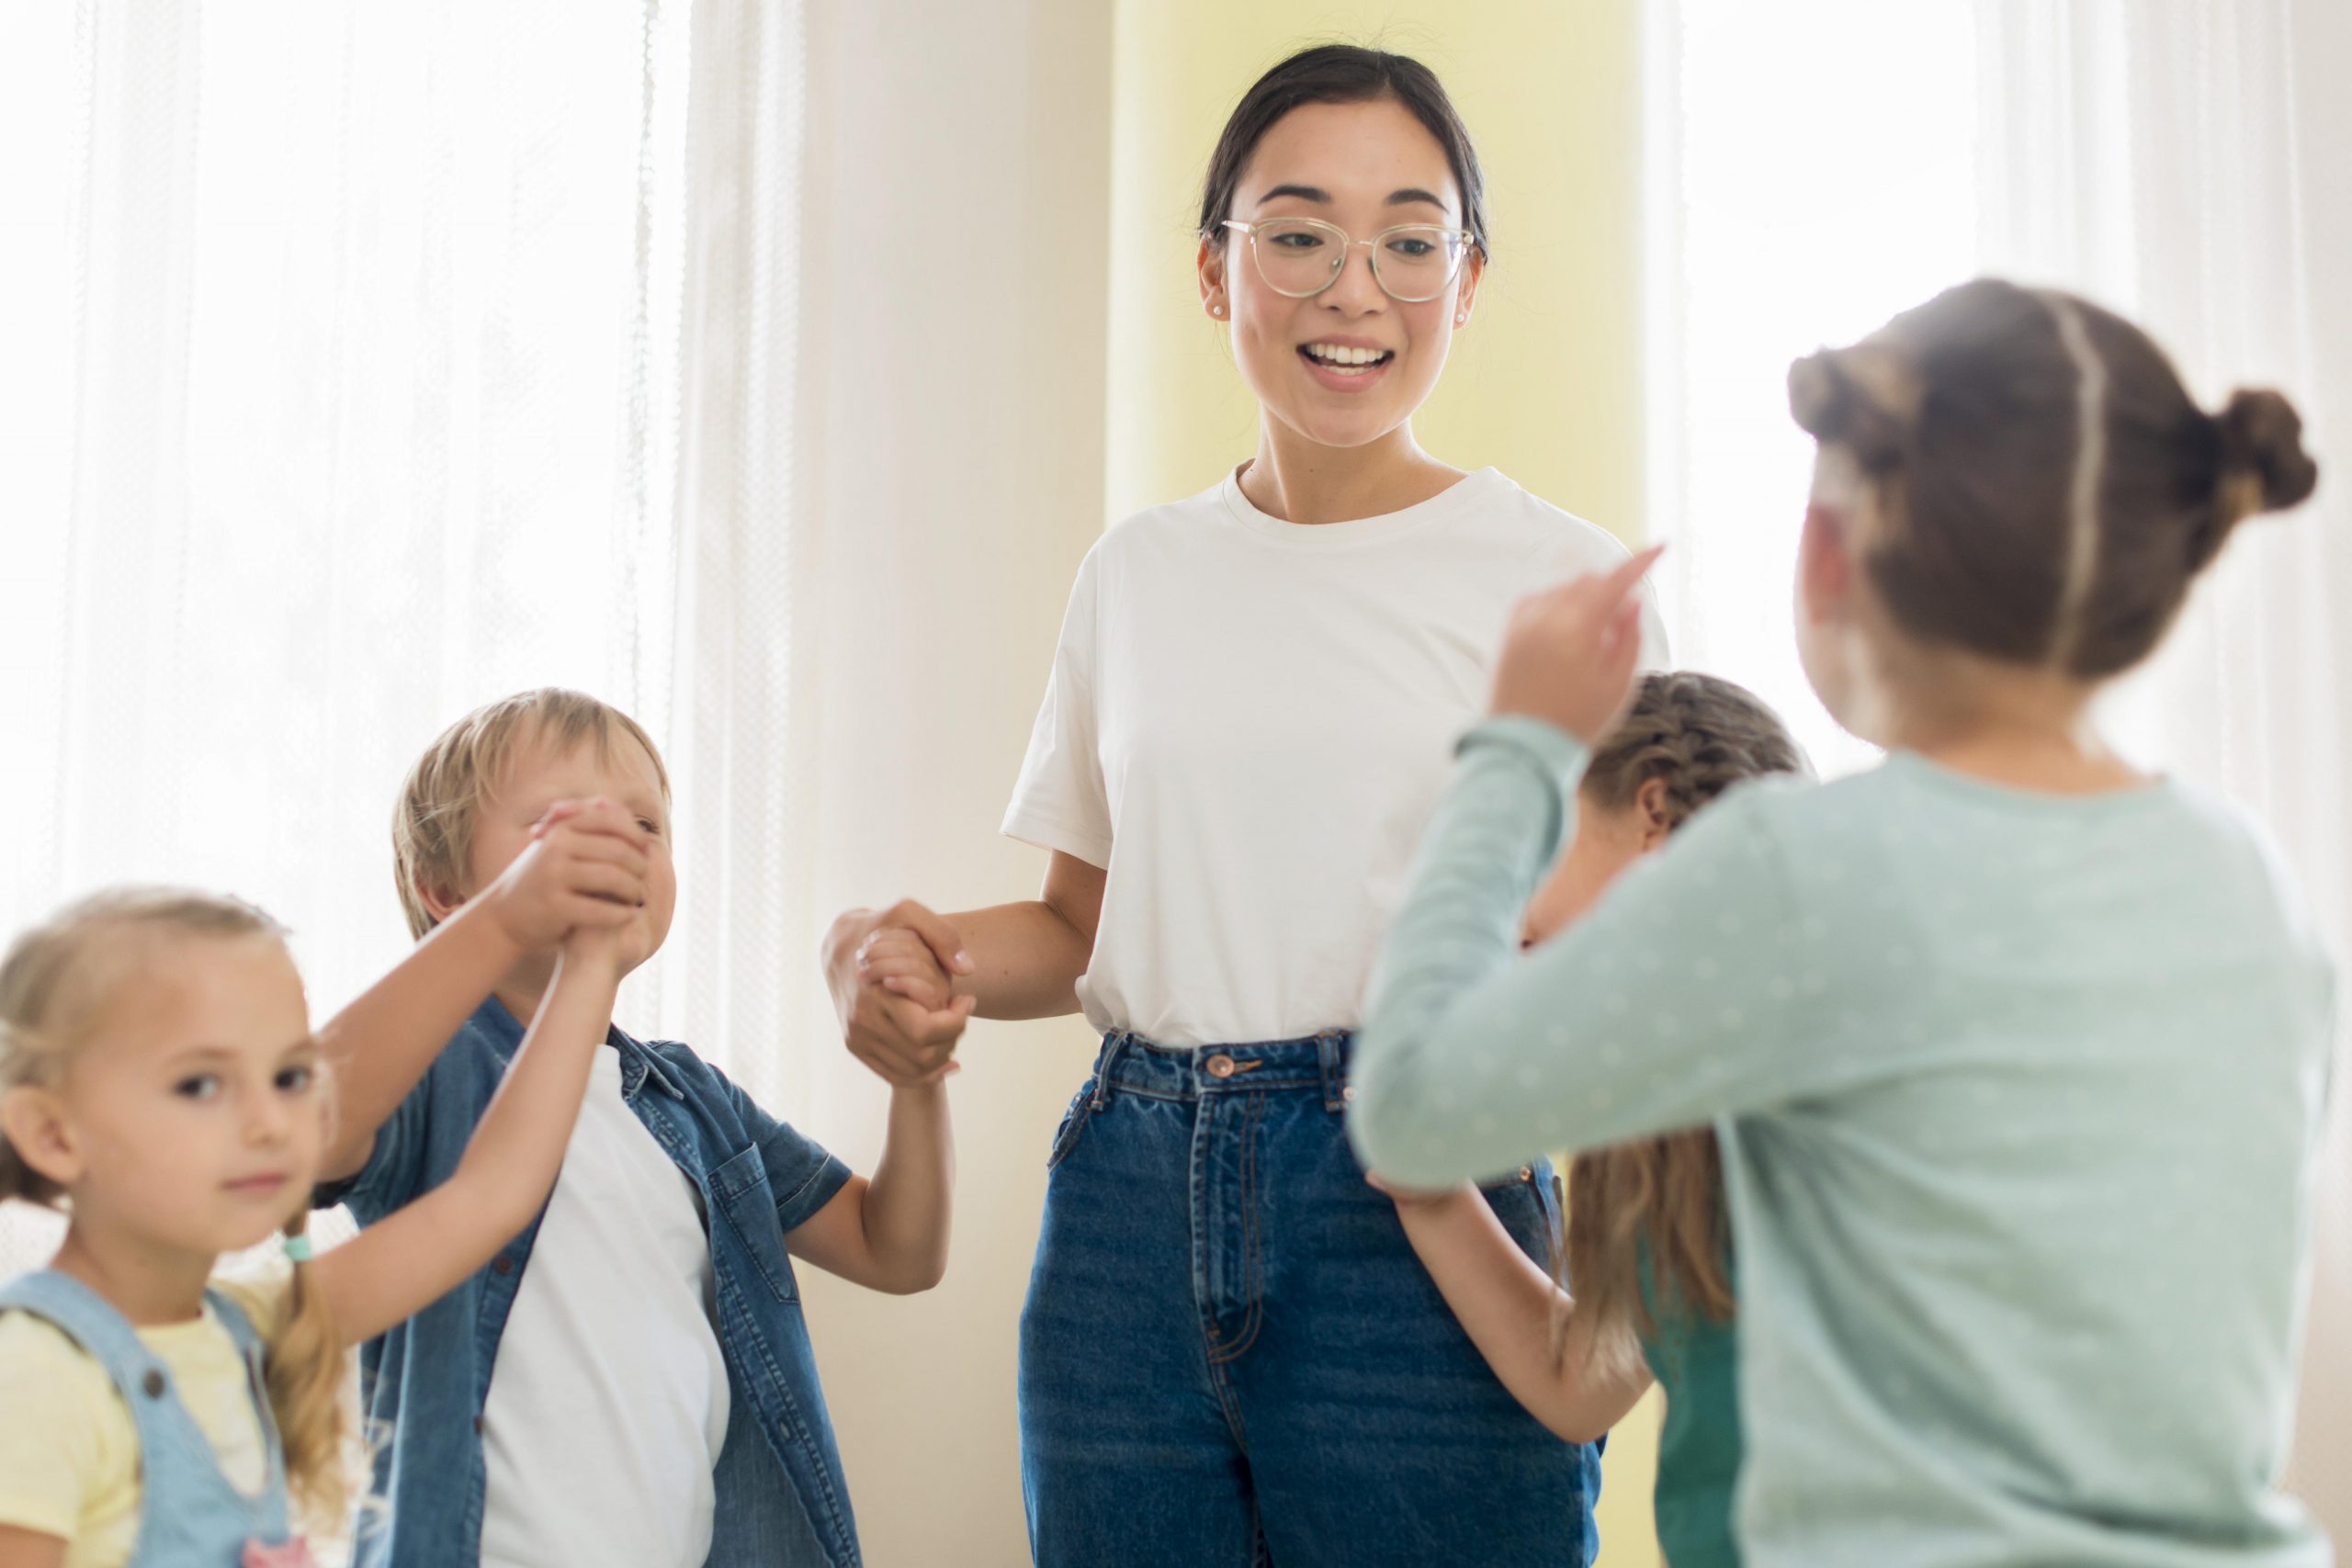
(1342, 73)
(2044, 489)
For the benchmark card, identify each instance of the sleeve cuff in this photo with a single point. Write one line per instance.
(1550, 749)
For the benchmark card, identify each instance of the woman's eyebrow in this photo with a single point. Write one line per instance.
(1316, 193)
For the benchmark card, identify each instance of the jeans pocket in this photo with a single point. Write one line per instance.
(1074, 1119)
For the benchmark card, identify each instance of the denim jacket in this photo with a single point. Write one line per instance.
(781, 1496)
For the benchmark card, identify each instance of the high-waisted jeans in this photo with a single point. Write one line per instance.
(1231, 1357)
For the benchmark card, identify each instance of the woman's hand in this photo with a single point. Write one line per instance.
(898, 1034)
(1568, 654)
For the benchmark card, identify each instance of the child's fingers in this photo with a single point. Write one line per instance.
(610, 882)
(561, 811)
(924, 992)
(1624, 578)
(597, 913)
(946, 1026)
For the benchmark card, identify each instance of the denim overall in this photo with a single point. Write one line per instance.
(190, 1516)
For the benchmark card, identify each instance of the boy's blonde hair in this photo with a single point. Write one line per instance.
(55, 985)
(433, 827)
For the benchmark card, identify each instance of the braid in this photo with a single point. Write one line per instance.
(1697, 734)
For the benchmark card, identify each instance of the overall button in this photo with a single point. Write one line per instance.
(1348, 1092)
(1527, 1173)
(1220, 1065)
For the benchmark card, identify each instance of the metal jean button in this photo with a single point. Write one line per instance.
(1220, 1065)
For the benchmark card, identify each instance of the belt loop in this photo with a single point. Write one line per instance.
(1334, 1049)
(1113, 1046)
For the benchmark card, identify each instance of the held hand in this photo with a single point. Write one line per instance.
(585, 866)
(904, 964)
(594, 949)
(905, 1042)
(1568, 654)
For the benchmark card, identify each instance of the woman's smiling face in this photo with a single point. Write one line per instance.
(1365, 167)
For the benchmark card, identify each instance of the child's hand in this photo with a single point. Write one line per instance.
(598, 947)
(903, 965)
(585, 866)
(1568, 654)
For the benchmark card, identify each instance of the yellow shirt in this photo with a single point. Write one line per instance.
(69, 1448)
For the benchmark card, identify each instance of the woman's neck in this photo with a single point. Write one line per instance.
(148, 1283)
(1301, 480)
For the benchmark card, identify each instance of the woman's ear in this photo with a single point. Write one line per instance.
(33, 1121)
(1210, 263)
(1649, 814)
(1473, 267)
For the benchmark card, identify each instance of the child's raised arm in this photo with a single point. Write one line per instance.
(410, 1258)
(1508, 1307)
(586, 867)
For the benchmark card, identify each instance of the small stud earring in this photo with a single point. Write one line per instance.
(1217, 310)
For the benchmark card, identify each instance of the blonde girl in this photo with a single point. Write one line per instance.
(158, 1082)
(2017, 1055)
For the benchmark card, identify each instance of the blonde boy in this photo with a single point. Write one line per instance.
(630, 1381)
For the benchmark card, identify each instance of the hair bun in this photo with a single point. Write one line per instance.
(2262, 453)
(1831, 404)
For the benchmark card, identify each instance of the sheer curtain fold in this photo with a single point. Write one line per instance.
(365, 365)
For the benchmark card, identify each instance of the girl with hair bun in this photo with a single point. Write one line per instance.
(2016, 1057)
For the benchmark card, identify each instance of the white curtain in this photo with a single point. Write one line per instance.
(363, 363)
(2182, 164)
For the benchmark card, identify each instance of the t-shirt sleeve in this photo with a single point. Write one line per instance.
(1694, 991)
(67, 1448)
(802, 1174)
(1060, 801)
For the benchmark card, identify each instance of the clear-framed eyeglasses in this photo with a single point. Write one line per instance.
(1300, 257)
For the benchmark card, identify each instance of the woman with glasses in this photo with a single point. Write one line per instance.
(1230, 1355)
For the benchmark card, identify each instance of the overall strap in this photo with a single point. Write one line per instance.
(84, 1317)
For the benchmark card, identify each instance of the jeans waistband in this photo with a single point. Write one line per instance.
(1129, 1063)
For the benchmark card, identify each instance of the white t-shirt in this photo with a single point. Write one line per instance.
(608, 1401)
(1248, 724)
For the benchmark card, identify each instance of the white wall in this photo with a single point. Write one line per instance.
(952, 365)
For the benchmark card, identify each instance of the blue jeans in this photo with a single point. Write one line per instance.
(1231, 1357)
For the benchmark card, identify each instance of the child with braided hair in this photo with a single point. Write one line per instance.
(1648, 1236)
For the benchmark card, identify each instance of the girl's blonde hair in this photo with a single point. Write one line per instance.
(1661, 1199)
(56, 984)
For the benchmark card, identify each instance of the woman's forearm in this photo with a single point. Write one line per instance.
(1026, 959)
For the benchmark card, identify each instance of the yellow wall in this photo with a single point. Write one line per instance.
(1546, 382)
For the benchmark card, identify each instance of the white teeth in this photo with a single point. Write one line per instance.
(1334, 355)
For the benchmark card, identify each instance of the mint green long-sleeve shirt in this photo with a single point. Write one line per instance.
(2019, 1098)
